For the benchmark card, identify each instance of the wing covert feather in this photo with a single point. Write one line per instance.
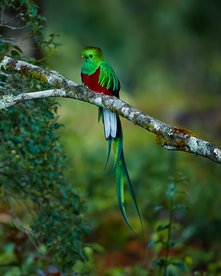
(108, 78)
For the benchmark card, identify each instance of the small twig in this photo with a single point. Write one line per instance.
(12, 27)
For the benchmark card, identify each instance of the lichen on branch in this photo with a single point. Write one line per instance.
(169, 137)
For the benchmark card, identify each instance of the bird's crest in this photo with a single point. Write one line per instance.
(93, 51)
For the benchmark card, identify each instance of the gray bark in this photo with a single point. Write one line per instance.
(169, 137)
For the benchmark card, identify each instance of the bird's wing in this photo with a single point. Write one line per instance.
(108, 78)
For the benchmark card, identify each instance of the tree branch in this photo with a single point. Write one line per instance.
(170, 137)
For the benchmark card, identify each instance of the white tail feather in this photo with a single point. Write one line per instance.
(113, 119)
(110, 123)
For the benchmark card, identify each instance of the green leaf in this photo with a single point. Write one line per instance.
(152, 243)
(172, 243)
(8, 258)
(181, 266)
(162, 227)
(171, 190)
(158, 263)
(15, 53)
(18, 49)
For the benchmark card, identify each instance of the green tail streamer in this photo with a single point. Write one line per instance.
(121, 173)
(122, 176)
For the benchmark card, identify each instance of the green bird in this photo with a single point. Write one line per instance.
(98, 75)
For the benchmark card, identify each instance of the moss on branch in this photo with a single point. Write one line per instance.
(170, 137)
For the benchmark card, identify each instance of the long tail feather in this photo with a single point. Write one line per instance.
(114, 136)
(100, 114)
(120, 193)
(108, 152)
(118, 149)
(122, 176)
(126, 174)
(107, 123)
(110, 123)
(113, 124)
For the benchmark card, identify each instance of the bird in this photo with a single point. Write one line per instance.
(99, 76)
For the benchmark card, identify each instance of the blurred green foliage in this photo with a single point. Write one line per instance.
(36, 198)
(167, 56)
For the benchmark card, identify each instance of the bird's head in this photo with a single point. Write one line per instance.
(92, 54)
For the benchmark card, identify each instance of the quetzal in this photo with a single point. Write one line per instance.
(98, 75)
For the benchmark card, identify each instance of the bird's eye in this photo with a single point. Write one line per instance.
(90, 56)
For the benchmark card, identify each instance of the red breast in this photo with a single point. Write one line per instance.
(92, 83)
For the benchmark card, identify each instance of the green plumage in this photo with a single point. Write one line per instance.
(94, 59)
(120, 170)
(107, 83)
(107, 77)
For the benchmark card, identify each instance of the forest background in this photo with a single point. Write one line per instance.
(168, 59)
